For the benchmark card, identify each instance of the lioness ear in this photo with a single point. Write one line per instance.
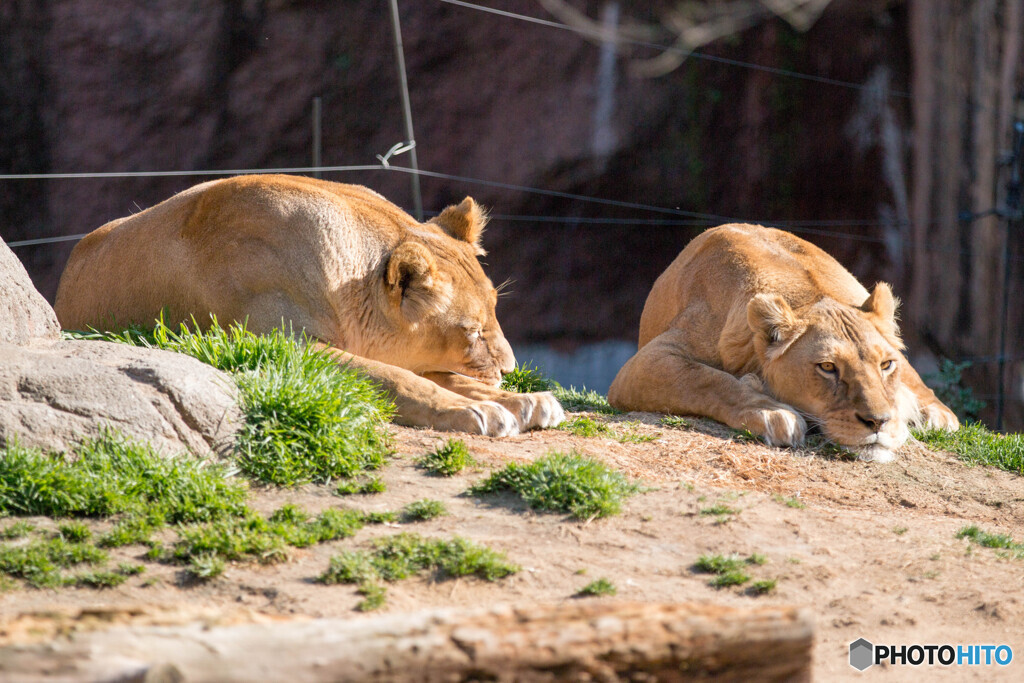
(464, 222)
(412, 280)
(882, 306)
(771, 318)
(881, 302)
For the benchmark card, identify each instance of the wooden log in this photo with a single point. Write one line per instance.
(580, 640)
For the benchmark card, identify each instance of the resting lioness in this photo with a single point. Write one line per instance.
(406, 303)
(764, 331)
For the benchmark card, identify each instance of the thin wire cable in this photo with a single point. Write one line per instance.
(165, 174)
(676, 50)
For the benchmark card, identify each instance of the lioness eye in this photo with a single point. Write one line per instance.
(828, 368)
(888, 365)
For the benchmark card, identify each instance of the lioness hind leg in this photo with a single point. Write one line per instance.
(538, 410)
(662, 378)
(422, 403)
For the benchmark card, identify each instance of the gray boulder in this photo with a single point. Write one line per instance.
(24, 313)
(54, 394)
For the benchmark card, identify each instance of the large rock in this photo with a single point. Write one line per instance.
(24, 313)
(54, 394)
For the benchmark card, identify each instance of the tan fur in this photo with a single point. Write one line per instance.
(744, 327)
(396, 298)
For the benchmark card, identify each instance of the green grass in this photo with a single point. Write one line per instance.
(586, 427)
(528, 379)
(362, 486)
(791, 502)
(40, 562)
(990, 540)
(598, 587)
(206, 566)
(675, 422)
(74, 532)
(762, 586)
(422, 510)
(253, 538)
(132, 529)
(448, 459)
(561, 482)
(719, 509)
(19, 529)
(525, 379)
(729, 570)
(99, 579)
(374, 597)
(735, 577)
(113, 475)
(975, 444)
(401, 556)
(580, 400)
(307, 419)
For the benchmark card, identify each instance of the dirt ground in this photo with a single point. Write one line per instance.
(873, 551)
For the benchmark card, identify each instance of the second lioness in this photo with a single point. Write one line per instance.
(406, 303)
(764, 331)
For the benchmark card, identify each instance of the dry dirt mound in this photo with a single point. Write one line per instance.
(871, 549)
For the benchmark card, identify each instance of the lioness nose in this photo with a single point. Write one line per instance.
(874, 422)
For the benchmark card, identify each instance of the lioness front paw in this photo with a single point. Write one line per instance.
(938, 416)
(779, 426)
(534, 411)
(482, 417)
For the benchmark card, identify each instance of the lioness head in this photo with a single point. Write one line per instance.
(840, 366)
(443, 302)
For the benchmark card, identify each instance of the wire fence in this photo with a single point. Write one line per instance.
(679, 217)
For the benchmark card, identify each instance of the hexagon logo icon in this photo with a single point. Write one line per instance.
(862, 654)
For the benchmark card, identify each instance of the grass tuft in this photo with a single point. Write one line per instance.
(598, 587)
(527, 379)
(112, 475)
(569, 483)
(422, 510)
(366, 487)
(975, 444)
(19, 529)
(990, 540)
(307, 419)
(74, 532)
(580, 400)
(448, 459)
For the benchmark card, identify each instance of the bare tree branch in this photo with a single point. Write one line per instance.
(693, 24)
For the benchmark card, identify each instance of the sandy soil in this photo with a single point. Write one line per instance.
(873, 551)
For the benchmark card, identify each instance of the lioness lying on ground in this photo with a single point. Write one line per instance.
(406, 303)
(764, 331)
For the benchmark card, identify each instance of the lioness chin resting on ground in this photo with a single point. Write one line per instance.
(761, 330)
(405, 303)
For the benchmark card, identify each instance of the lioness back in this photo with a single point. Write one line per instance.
(231, 247)
(733, 262)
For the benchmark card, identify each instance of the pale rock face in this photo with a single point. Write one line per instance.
(24, 313)
(54, 394)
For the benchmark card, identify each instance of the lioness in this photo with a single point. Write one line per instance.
(764, 331)
(406, 303)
